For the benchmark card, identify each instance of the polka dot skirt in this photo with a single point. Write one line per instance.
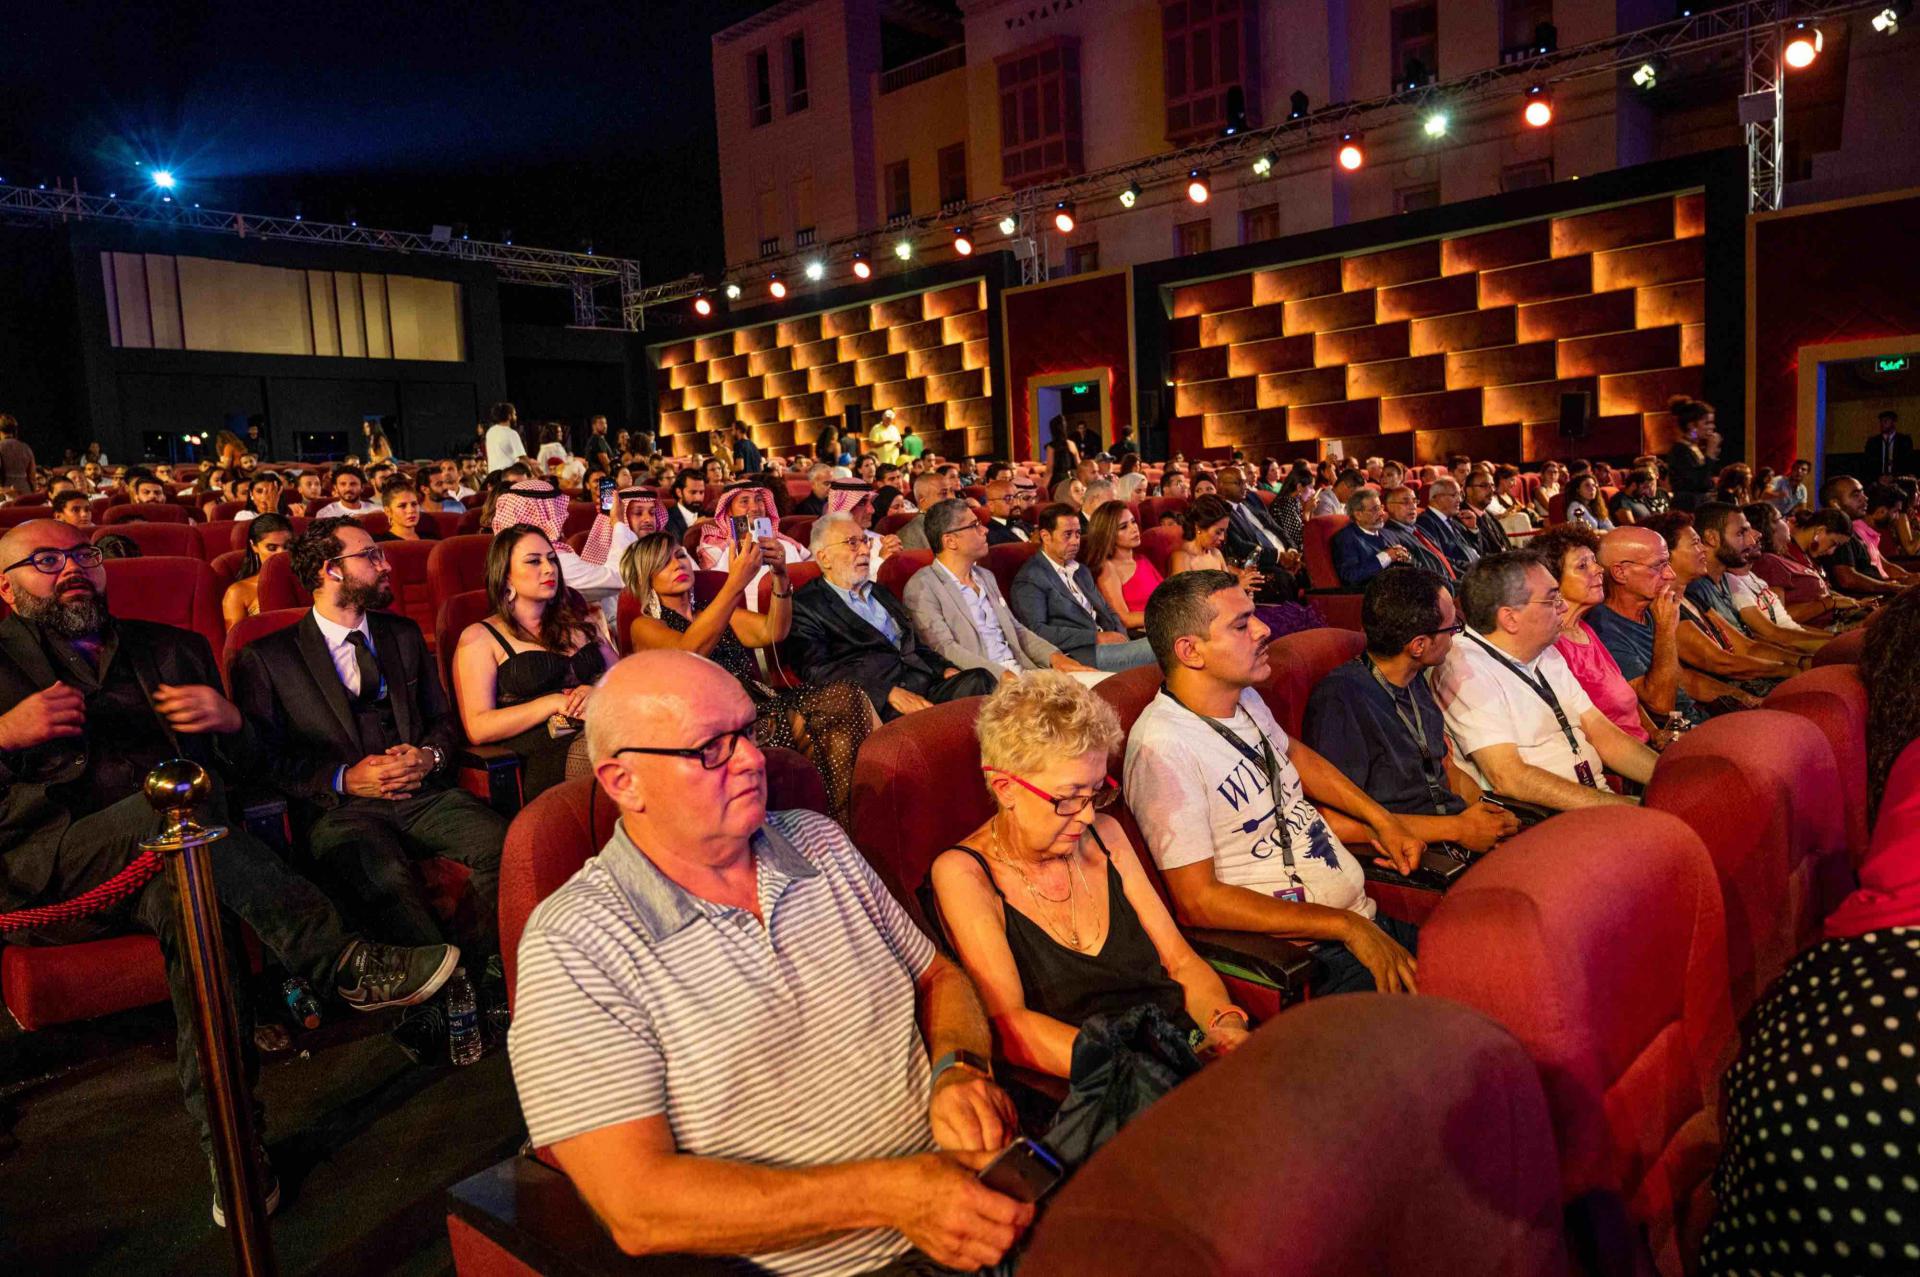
(1821, 1169)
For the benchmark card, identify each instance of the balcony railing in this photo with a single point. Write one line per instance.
(948, 59)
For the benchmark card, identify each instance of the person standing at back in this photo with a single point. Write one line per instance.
(504, 444)
(16, 457)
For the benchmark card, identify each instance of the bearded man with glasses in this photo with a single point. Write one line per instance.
(359, 735)
(95, 703)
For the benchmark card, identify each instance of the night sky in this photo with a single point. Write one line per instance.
(564, 122)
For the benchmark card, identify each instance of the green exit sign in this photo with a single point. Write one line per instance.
(1893, 363)
(1083, 388)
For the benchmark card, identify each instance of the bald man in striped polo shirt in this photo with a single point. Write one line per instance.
(724, 1022)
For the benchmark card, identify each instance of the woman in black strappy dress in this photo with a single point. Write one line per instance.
(523, 676)
(827, 724)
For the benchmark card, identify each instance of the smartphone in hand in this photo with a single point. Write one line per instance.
(1024, 1170)
(606, 496)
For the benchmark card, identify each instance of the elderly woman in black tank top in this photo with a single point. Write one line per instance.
(1047, 905)
(522, 677)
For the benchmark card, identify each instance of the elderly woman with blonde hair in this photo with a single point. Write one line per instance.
(1047, 905)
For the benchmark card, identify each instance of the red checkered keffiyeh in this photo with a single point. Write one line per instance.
(545, 507)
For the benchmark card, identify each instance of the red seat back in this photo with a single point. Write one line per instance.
(1757, 788)
(216, 539)
(412, 593)
(175, 539)
(892, 523)
(1004, 561)
(1596, 939)
(898, 570)
(1316, 550)
(1364, 1100)
(456, 565)
(1157, 546)
(279, 588)
(797, 526)
(1153, 507)
(469, 523)
(226, 568)
(176, 590)
(1834, 700)
(1843, 649)
(917, 790)
(151, 512)
(1557, 506)
(455, 615)
(554, 835)
(1130, 692)
(13, 514)
(225, 510)
(1300, 660)
(580, 517)
(31, 498)
(251, 630)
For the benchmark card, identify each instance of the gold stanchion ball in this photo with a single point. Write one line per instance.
(178, 783)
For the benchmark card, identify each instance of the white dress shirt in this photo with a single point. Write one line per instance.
(344, 662)
(1066, 571)
(980, 610)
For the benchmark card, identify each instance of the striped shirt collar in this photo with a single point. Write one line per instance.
(664, 907)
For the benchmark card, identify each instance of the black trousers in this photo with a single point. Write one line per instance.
(366, 845)
(293, 918)
(965, 683)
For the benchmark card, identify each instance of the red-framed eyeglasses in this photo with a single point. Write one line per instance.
(1101, 799)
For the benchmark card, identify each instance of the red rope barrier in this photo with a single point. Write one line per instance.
(128, 882)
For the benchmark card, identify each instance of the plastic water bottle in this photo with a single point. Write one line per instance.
(301, 1004)
(464, 1044)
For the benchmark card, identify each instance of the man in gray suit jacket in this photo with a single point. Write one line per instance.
(957, 608)
(1054, 595)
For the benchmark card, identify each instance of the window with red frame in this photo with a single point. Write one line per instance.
(1040, 113)
(1208, 47)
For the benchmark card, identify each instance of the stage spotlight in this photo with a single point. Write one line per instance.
(816, 271)
(1352, 153)
(1803, 46)
(962, 241)
(777, 287)
(1539, 108)
(702, 305)
(1887, 21)
(1263, 165)
(1009, 224)
(163, 179)
(1297, 105)
(733, 292)
(1435, 125)
(862, 268)
(1130, 196)
(1199, 189)
(1646, 75)
(1063, 218)
(904, 250)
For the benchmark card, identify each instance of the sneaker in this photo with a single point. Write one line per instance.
(373, 977)
(266, 1174)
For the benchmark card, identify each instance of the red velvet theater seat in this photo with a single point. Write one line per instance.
(1758, 788)
(557, 832)
(1843, 649)
(279, 588)
(1300, 661)
(1130, 692)
(147, 512)
(1596, 939)
(1353, 1137)
(1316, 550)
(1157, 545)
(251, 630)
(412, 595)
(898, 570)
(1005, 561)
(178, 591)
(177, 540)
(59, 984)
(456, 565)
(1834, 700)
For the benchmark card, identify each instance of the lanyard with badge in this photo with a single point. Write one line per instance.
(1432, 770)
(1582, 769)
(1264, 759)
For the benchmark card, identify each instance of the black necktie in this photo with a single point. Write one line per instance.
(368, 667)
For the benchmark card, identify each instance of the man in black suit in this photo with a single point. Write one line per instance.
(94, 704)
(1890, 452)
(1253, 536)
(1005, 503)
(847, 628)
(359, 735)
(689, 489)
(1490, 537)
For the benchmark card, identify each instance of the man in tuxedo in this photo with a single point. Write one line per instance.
(1055, 596)
(359, 735)
(95, 703)
(1366, 544)
(1005, 504)
(849, 628)
(1890, 452)
(1442, 524)
(1252, 531)
(689, 489)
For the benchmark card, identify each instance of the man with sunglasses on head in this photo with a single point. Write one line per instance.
(94, 704)
(728, 1032)
(359, 735)
(1519, 720)
(1227, 802)
(1376, 720)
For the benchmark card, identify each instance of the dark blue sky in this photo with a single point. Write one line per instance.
(564, 121)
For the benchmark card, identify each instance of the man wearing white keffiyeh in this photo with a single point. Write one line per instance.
(595, 570)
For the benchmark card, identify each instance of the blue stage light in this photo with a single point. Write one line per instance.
(163, 179)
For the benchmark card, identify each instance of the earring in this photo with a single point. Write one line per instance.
(511, 596)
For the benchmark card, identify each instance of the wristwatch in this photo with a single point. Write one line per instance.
(439, 759)
(959, 1059)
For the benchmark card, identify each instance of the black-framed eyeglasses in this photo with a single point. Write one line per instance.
(965, 527)
(1458, 627)
(713, 754)
(51, 561)
(372, 554)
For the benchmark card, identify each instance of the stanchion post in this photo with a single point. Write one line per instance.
(175, 788)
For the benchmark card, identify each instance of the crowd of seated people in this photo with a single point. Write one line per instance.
(1507, 673)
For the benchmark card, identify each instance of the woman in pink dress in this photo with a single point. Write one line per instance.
(1572, 553)
(1111, 552)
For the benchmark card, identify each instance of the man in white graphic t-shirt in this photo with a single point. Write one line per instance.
(1226, 800)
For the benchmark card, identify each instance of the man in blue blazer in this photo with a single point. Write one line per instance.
(1366, 544)
(1054, 595)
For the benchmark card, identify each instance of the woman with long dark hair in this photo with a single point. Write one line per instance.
(1111, 552)
(379, 447)
(1062, 455)
(523, 676)
(267, 535)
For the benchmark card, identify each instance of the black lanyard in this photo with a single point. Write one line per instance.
(1262, 758)
(1416, 728)
(1542, 689)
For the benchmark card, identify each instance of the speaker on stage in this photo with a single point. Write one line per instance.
(1573, 415)
(850, 424)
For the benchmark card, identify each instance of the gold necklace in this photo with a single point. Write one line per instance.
(1072, 937)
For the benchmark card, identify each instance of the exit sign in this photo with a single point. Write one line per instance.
(1893, 363)
(1083, 388)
